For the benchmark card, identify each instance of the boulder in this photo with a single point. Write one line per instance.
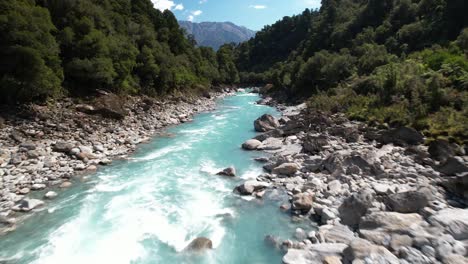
(354, 207)
(249, 187)
(84, 108)
(300, 256)
(275, 133)
(200, 244)
(453, 166)
(27, 205)
(390, 222)
(454, 221)
(286, 169)
(457, 185)
(110, 106)
(441, 150)
(251, 144)
(271, 144)
(314, 143)
(266, 123)
(362, 251)
(302, 202)
(336, 234)
(63, 147)
(402, 136)
(231, 172)
(406, 202)
(50, 195)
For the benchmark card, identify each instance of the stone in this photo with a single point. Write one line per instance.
(314, 143)
(453, 220)
(50, 195)
(27, 205)
(302, 202)
(66, 184)
(332, 260)
(453, 166)
(334, 187)
(327, 215)
(28, 145)
(300, 256)
(336, 234)
(63, 147)
(84, 108)
(38, 186)
(406, 202)
(390, 222)
(110, 106)
(200, 244)
(354, 207)
(362, 251)
(286, 169)
(266, 123)
(231, 172)
(441, 150)
(24, 191)
(251, 144)
(402, 136)
(249, 187)
(300, 234)
(399, 241)
(271, 144)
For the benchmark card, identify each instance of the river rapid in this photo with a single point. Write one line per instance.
(148, 208)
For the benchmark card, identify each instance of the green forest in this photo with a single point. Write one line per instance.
(386, 62)
(54, 48)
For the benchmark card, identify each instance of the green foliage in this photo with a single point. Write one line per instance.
(30, 68)
(121, 46)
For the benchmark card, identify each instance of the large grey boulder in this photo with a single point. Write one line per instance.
(200, 244)
(249, 187)
(286, 169)
(27, 205)
(314, 143)
(231, 172)
(453, 166)
(271, 144)
(335, 234)
(266, 123)
(406, 202)
(362, 251)
(251, 144)
(453, 220)
(302, 202)
(402, 136)
(354, 207)
(63, 147)
(315, 254)
(441, 150)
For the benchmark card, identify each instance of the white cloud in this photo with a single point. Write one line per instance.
(167, 4)
(202, 1)
(197, 12)
(193, 15)
(258, 6)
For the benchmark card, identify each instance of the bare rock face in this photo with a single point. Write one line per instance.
(200, 244)
(231, 172)
(266, 123)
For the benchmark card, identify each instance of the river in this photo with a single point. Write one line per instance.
(148, 208)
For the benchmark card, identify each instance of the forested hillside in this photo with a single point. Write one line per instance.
(51, 48)
(395, 62)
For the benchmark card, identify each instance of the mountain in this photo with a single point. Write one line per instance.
(215, 34)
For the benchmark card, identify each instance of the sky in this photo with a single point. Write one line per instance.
(253, 14)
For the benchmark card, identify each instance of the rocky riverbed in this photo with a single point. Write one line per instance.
(377, 195)
(45, 147)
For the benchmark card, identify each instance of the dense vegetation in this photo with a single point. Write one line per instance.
(395, 62)
(51, 48)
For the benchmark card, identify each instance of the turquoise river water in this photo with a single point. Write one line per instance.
(147, 209)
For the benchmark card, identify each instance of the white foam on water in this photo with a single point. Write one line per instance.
(164, 151)
(208, 166)
(247, 94)
(251, 173)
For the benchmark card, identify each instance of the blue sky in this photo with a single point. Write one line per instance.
(253, 14)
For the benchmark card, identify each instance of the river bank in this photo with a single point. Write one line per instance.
(50, 147)
(377, 195)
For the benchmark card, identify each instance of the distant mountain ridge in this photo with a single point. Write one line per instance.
(215, 34)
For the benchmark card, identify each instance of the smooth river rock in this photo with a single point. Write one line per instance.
(200, 244)
(251, 144)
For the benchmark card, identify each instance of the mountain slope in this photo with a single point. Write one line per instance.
(215, 34)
